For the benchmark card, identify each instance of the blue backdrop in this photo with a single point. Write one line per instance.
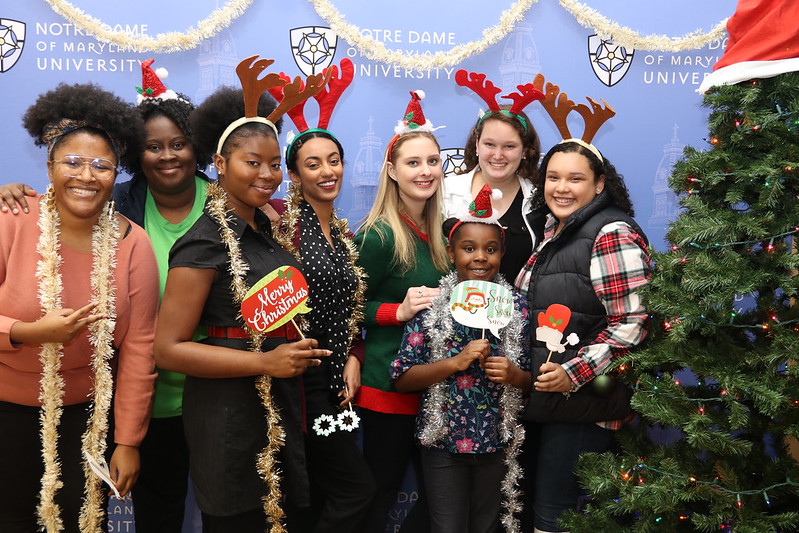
(658, 110)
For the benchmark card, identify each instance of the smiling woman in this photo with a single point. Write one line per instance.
(94, 308)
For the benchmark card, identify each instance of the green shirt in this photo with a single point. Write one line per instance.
(163, 234)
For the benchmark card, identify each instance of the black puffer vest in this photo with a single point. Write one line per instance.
(561, 275)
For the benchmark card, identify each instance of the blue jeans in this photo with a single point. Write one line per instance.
(556, 486)
(463, 490)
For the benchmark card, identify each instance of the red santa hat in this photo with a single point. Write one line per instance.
(152, 86)
(763, 43)
(414, 119)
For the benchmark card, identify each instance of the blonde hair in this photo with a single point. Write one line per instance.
(387, 209)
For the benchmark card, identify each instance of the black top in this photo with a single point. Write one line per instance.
(518, 241)
(224, 419)
(331, 285)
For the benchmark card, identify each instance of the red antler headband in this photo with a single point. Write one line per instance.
(558, 106)
(327, 98)
(292, 93)
(486, 90)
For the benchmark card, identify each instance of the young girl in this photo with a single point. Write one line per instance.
(403, 254)
(475, 382)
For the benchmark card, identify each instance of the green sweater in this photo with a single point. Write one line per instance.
(385, 291)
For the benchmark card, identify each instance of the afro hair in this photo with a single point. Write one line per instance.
(88, 102)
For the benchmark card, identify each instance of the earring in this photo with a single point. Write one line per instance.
(598, 191)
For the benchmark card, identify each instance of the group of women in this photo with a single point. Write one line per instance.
(281, 454)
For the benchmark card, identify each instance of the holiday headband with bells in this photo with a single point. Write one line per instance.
(480, 211)
(293, 93)
(558, 106)
(412, 120)
(485, 89)
(327, 98)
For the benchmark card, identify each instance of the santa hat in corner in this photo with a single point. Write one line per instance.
(763, 43)
(152, 87)
(414, 119)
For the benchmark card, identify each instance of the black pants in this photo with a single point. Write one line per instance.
(21, 467)
(389, 447)
(159, 497)
(249, 522)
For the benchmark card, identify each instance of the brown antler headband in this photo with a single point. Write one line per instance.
(558, 105)
(253, 87)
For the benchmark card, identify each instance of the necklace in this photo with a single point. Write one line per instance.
(267, 460)
(105, 237)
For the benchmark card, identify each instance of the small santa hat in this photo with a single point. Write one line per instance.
(762, 43)
(414, 119)
(152, 87)
(480, 210)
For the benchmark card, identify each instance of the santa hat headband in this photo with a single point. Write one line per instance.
(340, 79)
(762, 43)
(485, 89)
(480, 210)
(558, 107)
(253, 85)
(152, 87)
(412, 120)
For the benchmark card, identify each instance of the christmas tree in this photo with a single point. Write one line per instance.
(723, 304)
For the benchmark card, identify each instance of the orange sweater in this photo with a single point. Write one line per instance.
(136, 276)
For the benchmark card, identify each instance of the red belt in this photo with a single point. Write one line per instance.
(287, 330)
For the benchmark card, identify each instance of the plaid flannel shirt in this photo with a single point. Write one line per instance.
(620, 264)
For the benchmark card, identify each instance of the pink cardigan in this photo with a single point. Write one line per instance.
(136, 276)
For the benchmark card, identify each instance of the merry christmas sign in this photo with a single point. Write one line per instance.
(482, 304)
(275, 299)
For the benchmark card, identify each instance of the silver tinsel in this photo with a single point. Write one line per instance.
(439, 329)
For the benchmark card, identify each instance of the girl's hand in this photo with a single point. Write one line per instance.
(59, 325)
(501, 370)
(124, 468)
(416, 299)
(553, 378)
(476, 350)
(12, 196)
(352, 380)
(292, 359)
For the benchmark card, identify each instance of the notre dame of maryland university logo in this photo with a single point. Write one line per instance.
(12, 41)
(313, 48)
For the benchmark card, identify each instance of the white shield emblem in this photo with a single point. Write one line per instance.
(12, 41)
(609, 61)
(313, 48)
(452, 161)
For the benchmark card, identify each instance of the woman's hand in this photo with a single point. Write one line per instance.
(12, 197)
(124, 468)
(352, 380)
(476, 350)
(60, 325)
(553, 378)
(292, 359)
(416, 299)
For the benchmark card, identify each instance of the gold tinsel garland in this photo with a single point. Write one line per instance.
(105, 237)
(285, 237)
(267, 462)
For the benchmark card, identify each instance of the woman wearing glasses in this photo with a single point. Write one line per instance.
(79, 287)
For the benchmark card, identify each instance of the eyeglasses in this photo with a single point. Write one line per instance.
(101, 169)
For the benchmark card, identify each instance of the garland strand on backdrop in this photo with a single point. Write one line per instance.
(222, 18)
(172, 41)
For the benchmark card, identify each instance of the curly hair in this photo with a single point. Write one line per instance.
(614, 182)
(179, 111)
(531, 144)
(291, 156)
(223, 106)
(450, 224)
(105, 113)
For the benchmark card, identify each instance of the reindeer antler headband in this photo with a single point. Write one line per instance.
(293, 93)
(558, 106)
(486, 90)
(327, 98)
